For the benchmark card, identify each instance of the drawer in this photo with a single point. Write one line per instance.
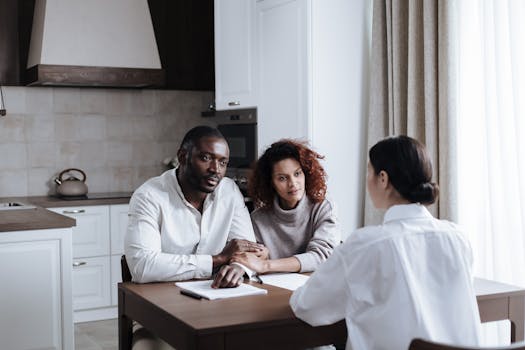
(91, 235)
(91, 283)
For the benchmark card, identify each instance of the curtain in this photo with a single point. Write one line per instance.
(410, 92)
(491, 136)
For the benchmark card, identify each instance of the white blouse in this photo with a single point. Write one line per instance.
(409, 277)
(168, 239)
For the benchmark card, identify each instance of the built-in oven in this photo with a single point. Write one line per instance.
(239, 127)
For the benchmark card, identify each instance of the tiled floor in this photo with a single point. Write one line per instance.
(99, 335)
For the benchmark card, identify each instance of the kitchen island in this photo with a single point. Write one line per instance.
(39, 274)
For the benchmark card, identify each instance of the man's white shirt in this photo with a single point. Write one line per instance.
(168, 239)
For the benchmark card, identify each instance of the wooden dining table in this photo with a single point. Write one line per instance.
(265, 321)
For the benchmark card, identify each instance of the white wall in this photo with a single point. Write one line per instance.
(340, 96)
(313, 80)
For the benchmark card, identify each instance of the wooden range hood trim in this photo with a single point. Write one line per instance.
(63, 75)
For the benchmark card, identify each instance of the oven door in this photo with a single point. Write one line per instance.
(242, 140)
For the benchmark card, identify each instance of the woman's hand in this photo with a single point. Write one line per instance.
(263, 253)
(252, 261)
(237, 246)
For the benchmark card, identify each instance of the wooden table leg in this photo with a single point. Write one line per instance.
(517, 318)
(125, 330)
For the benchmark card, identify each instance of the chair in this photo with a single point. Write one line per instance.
(420, 344)
(126, 274)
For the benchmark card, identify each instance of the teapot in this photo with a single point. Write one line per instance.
(71, 186)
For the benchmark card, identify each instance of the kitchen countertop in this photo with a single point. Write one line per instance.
(39, 218)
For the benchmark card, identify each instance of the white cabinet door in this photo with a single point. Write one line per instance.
(284, 75)
(91, 234)
(118, 216)
(35, 292)
(91, 283)
(235, 55)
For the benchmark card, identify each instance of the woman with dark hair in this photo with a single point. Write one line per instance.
(410, 277)
(294, 220)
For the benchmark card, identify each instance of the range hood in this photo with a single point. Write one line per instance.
(106, 43)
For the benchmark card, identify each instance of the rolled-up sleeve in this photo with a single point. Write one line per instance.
(146, 260)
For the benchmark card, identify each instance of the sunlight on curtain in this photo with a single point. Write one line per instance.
(491, 139)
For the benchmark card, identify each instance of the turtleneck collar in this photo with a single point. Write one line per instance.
(290, 215)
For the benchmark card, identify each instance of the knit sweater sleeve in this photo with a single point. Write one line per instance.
(326, 236)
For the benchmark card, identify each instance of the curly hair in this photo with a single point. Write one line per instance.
(260, 185)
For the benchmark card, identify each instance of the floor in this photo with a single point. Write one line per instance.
(99, 335)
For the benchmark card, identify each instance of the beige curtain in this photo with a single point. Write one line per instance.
(410, 89)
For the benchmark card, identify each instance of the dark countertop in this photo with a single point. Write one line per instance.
(33, 219)
(39, 218)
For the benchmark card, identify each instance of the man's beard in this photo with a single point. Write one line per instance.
(197, 181)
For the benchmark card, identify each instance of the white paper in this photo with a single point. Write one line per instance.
(290, 281)
(204, 289)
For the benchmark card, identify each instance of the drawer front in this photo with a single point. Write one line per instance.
(91, 234)
(91, 283)
(119, 224)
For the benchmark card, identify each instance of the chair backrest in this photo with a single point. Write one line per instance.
(126, 274)
(420, 344)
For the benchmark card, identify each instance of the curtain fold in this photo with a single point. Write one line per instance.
(410, 87)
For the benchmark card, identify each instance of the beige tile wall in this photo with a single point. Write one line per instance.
(118, 137)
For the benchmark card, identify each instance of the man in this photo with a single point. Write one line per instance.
(189, 221)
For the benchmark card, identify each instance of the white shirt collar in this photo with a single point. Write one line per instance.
(406, 211)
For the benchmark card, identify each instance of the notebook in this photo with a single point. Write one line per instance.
(203, 289)
(290, 281)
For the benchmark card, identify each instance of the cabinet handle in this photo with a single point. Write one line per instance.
(79, 263)
(234, 103)
(76, 211)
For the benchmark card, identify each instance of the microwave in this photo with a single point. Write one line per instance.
(239, 128)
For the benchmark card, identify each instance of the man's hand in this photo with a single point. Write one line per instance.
(229, 276)
(252, 261)
(237, 246)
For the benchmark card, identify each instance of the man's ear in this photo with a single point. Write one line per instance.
(182, 156)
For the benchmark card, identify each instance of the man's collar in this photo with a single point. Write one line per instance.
(406, 211)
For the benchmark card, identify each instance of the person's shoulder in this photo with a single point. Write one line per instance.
(260, 214)
(227, 189)
(155, 184)
(366, 237)
(324, 208)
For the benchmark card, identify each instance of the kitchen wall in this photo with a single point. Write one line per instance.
(119, 137)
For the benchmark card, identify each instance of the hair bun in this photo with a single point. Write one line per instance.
(424, 193)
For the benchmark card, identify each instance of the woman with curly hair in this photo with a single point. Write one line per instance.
(293, 218)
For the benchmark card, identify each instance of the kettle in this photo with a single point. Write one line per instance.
(71, 186)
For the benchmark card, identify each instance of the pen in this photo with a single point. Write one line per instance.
(258, 279)
(190, 294)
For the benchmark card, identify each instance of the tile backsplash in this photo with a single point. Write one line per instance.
(119, 137)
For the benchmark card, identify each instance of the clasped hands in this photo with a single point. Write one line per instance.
(250, 254)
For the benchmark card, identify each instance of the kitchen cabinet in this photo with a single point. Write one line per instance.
(35, 297)
(284, 74)
(16, 18)
(98, 243)
(184, 34)
(235, 54)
